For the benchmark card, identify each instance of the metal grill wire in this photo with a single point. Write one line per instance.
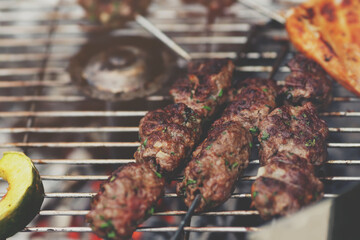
(76, 141)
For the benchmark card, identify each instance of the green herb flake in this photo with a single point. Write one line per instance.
(207, 108)
(172, 153)
(294, 117)
(190, 182)
(310, 143)
(265, 135)
(164, 130)
(250, 144)
(280, 111)
(265, 89)
(221, 93)
(105, 224)
(151, 211)
(111, 234)
(112, 178)
(208, 147)
(268, 106)
(145, 142)
(234, 165)
(158, 174)
(224, 133)
(191, 95)
(304, 115)
(254, 129)
(197, 161)
(254, 194)
(226, 162)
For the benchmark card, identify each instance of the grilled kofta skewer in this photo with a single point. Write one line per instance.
(139, 186)
(307, 82)
(125, 200)
(166, 141)
(167, 136)
(292, 140)
(220, 159)
(203, 88)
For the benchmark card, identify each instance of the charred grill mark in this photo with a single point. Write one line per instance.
(310, 13)
(346, 3)
(328, 11)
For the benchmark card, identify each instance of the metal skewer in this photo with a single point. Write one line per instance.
(187, 217)
(145, 23)
(263, 10)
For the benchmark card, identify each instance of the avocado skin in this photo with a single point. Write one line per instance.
(26, 210)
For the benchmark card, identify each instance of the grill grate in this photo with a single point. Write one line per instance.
(83, 139)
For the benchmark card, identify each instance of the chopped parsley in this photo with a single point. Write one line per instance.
(268, 106)
(224, 133)
(112, 178)
(310, 143)
(254, 129)
(172, 153)
(190, 182)
(207, 108)
(221, 93)
(151, 211)
(226, 162)
(197, 161)
(164, 130)
(265, 89)
(304, 115)
(250, 144)
(279, 110)
(106, 224)
(145, 142)
(111, 234)
(234, 165)
(265, 135)
(254, 194)
(208, 147)
(158, 174)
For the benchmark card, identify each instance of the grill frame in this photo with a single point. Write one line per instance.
(40, 65)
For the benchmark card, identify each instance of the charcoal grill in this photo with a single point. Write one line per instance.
(75, 141)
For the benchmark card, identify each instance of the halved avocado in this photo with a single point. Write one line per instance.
(25, 193)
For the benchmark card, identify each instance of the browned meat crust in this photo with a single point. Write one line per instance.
(177, 114)
(296, 130)
(203, 88)
(284, 185)
(113, 13)
(126, 199)
(168, 136)
(217, 163)
(308, 82)
(251, 102)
